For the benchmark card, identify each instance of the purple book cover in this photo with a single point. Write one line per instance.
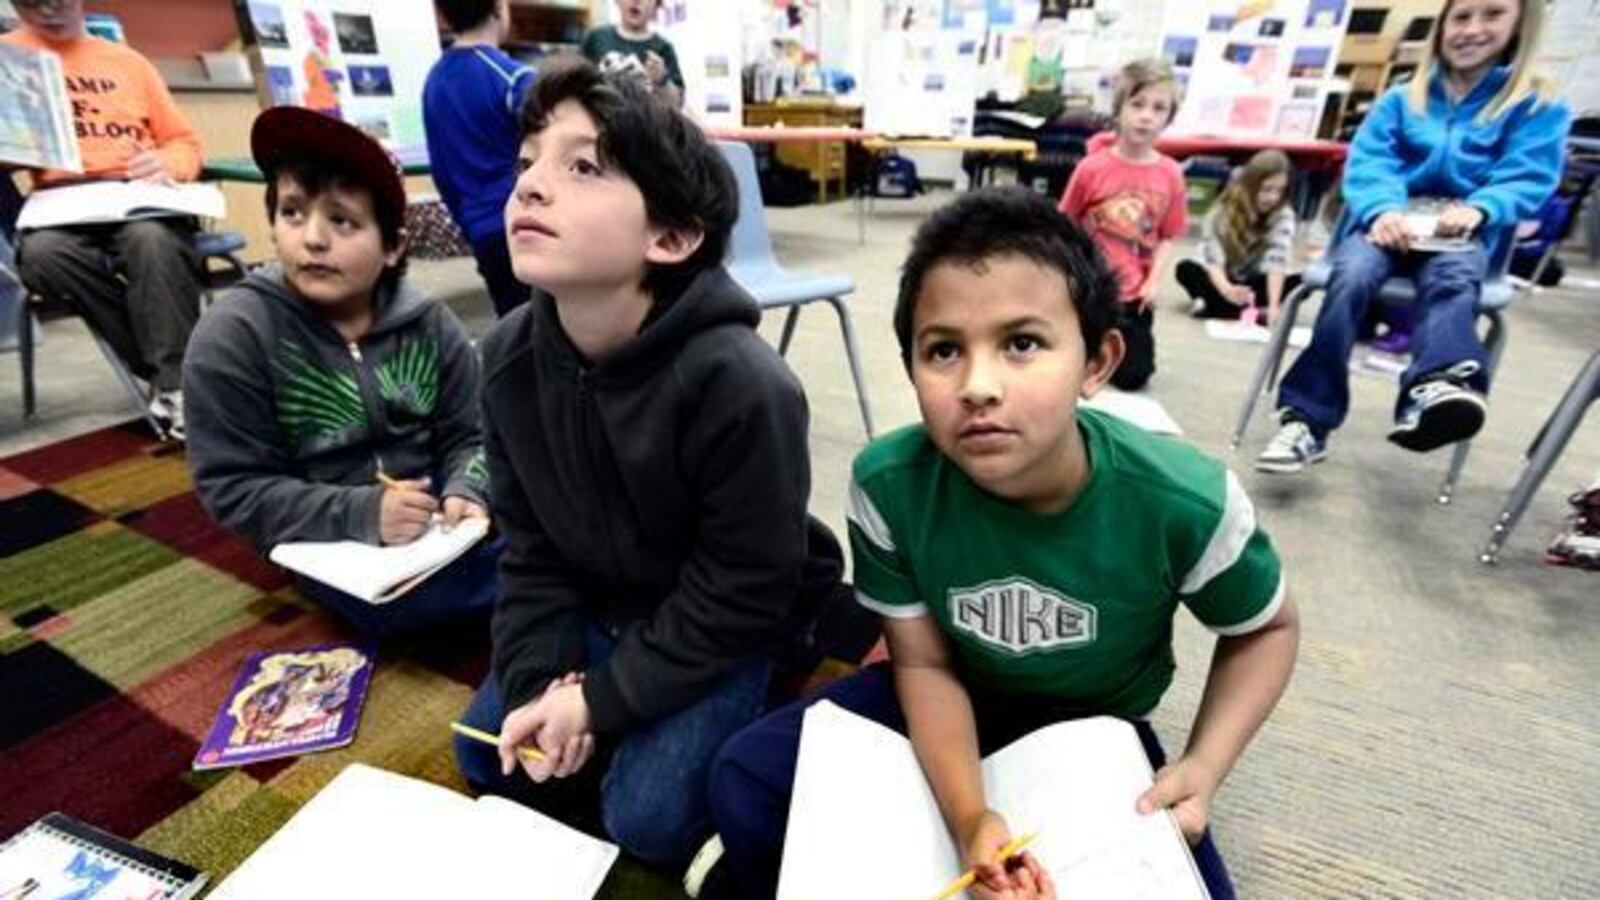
(286, 703)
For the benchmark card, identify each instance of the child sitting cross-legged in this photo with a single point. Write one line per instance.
(1011, 502)
(316, 378)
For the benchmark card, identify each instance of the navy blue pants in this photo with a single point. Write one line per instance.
(1317, 386)
(466, 587)
(753, 776)
(651, 783)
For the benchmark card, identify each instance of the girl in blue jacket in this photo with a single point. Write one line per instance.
(1477, 129)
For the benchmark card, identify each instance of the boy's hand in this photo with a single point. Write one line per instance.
(458, 508)
(1389, 231)
(405, 511)
(1241, 295)
(1458, 220)
(1185, 787)
(1018, 878)
(147, 165)
(558, 724)
(655, 68)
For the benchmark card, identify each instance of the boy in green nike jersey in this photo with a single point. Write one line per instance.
(1027, 555)
(314, 379)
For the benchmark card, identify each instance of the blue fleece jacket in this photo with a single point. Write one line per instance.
(1507, 167)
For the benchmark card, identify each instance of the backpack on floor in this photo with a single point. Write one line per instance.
(897, 177)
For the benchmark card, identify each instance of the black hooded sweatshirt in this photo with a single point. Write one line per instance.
(659, 494)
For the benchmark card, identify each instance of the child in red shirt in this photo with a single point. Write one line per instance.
(1131, 199)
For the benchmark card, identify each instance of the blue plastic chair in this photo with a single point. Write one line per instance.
(1496, 294)
(753, 265)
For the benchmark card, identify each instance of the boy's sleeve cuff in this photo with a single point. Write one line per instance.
(364, 512)
(608, 711)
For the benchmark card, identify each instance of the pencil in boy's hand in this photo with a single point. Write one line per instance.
(389, 482)
(484, 737)
(971, 875)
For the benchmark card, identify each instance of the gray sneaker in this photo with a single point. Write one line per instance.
(1440, 410)
(167, 408)
(1292, 449)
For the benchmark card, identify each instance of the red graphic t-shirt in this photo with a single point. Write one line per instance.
(1129, 208)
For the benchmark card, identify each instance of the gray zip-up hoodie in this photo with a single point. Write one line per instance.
(289, 424)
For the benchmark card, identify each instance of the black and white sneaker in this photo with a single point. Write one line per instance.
(1440, 410)
(708, 877)
(1291, 450)
(167, 409)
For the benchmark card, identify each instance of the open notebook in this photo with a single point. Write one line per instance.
(380, 574)
(372, 833)
(862, 814)
(1422, 219)
(118, 201)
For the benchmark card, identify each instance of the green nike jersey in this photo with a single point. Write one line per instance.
(1076, 605)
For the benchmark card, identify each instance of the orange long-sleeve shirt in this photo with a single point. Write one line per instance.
(120, 106)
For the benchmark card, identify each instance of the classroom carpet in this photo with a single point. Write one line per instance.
(125, 613)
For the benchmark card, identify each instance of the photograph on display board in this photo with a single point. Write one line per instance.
(1271, 28)
(375, 127)
(371, 81)
(267, 20)
(280, 85)
(356, 34)
(1297, 120)
(1324, 13)
(1222, 22)
(1309, 62)
(1250, 113)
(1180, 50)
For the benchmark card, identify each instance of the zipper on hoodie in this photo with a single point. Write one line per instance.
(372, 399)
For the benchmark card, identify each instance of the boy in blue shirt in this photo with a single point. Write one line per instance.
(469, 108)
(1028, 555)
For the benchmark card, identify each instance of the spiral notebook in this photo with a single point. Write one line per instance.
(58, 856)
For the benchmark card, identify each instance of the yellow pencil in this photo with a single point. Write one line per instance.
(388, 482)
(965, 881)
(485, 737)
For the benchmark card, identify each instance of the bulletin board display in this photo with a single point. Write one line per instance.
(363, 61)
(1253, 67)
(707, 38)
(922, 69)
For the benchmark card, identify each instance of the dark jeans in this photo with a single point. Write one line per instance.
(494, 266)
(753, 776)
(1317, 387)
(147, 320)
(466, 587)
(650, 784)
(1139, 363)
(1197, 282)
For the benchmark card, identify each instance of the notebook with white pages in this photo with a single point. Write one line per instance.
(380, 574)
(373, 833)
(862, 806)
(118, 201)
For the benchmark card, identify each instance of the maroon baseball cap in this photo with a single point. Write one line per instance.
(294, 132)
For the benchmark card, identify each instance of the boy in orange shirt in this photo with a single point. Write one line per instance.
(128, 127)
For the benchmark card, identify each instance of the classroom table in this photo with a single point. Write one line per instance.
(987, 147)
(1317, 164)
(413, 161)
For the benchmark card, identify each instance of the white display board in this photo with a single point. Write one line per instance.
(362, 60)
(921, 77)
(707, 35)
(1253, 67)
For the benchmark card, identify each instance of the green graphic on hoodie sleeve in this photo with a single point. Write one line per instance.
(409, 378)
(312, 401)
(476, 473)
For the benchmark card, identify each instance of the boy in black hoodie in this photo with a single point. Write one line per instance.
(314, 377)
(649, 466)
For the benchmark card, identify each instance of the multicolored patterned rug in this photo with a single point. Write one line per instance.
(125, 614)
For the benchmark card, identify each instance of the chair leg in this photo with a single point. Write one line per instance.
(1271, 357)
(25, 339)
(130, 386)
(1544, 452)
(1494, 344)
(789, 322)
(853, 356)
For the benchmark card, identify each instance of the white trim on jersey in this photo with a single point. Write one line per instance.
(890, 610)
(510, 78)
(1255, 622)
(1233, 532)
(868, 519)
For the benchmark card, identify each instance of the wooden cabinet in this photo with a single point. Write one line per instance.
(826, 163)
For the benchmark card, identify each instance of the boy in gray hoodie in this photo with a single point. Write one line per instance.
(327, 400)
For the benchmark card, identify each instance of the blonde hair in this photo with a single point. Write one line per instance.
(1241, 227)
(1524, 81)
(1143, 73)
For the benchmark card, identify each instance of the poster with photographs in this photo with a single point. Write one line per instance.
(709, 41)
(1253, 67)
(363, 61)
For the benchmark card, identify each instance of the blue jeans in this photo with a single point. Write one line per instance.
(1317, 386)
(11, 295)
(466, 587)
(753, 776)
(652, 795)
